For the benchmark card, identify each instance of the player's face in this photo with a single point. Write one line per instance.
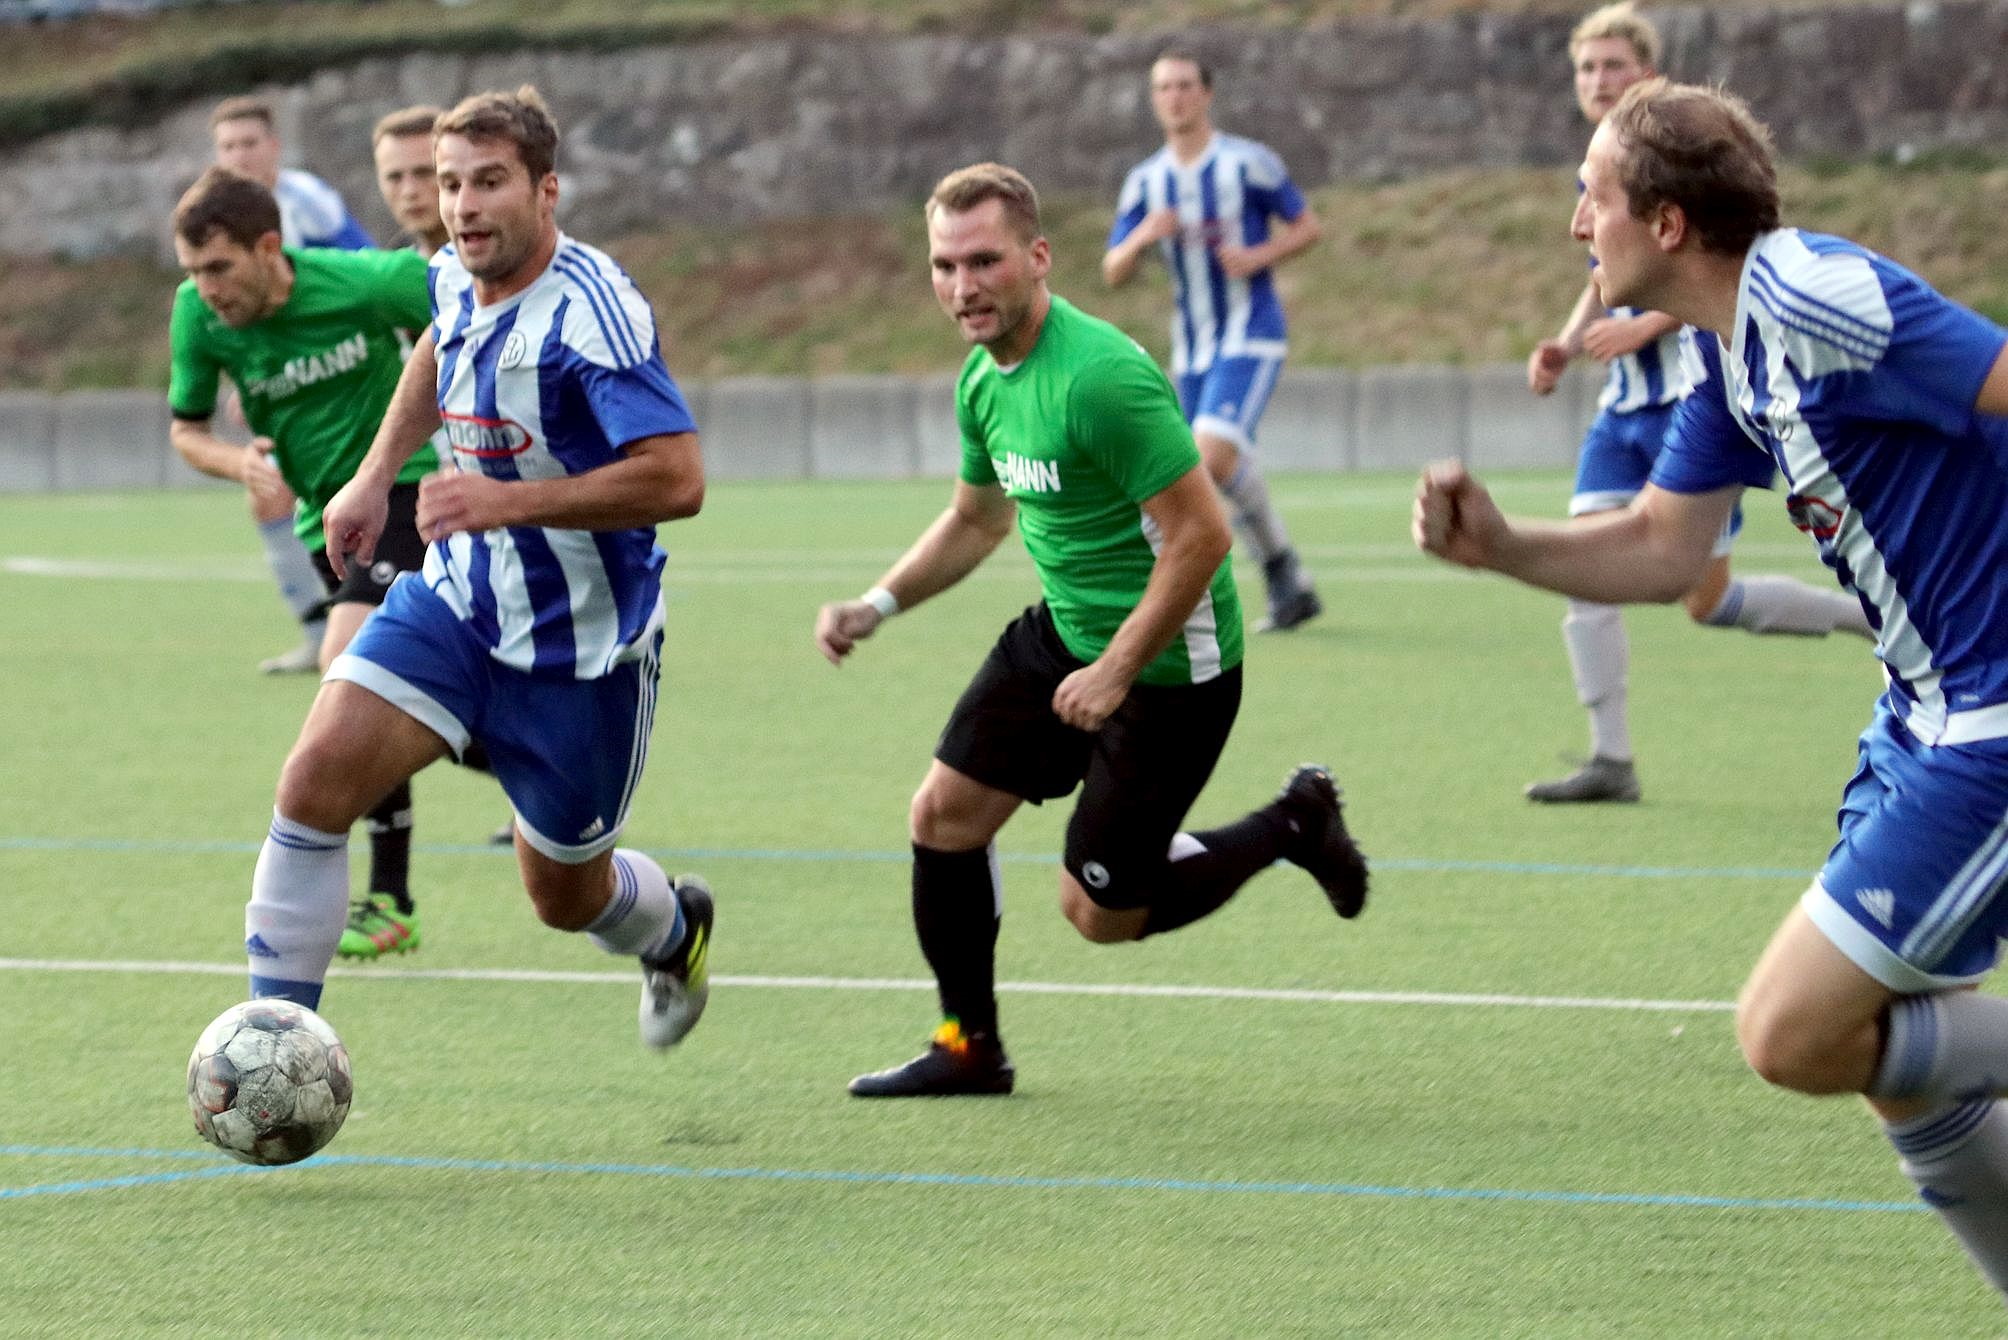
(248, 147)
(235, 282)
(1626, 249)
(405, 176)
(496, 216)
(986, 277)
(1605, 68)
(1178, 97)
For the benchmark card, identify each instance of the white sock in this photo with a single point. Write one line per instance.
(1957, 1156)
(1255, 515)
(643, 918)
(299, 904)
(293, 569)
(1599, 658)
(1769, 603)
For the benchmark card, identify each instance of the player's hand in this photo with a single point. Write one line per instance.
(1615, 336)
(1546, 365)
(841, 625)
(1157, 226)
(1455, 518)
(353, 522)
(460, 502)
(1238, 262)
(261, 477)
(1090, 696)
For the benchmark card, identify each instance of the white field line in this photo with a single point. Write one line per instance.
(1467, 1000)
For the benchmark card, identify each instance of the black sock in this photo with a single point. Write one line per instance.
(389, 827)
(955, 914)
(1202, 882)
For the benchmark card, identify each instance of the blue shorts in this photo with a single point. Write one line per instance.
(1616, 461)
(567, 752)
(1227, 400)
(1916, 890)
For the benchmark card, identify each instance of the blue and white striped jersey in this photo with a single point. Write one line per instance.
(311, 214)
(1858, 380)
(1652, 376)
(549, 382)
(1229, 193)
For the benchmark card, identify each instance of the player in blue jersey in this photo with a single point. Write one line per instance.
(535, 627)
(1882, 404)
(1612, 49)
(244, 134)
(1222, 213)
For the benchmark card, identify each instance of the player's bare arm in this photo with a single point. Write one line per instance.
(1611, 337)
(1993, 397)
(1653, 551)
(657, 479)
(1550, 358)
(1195, 538)
(354, 518)
(975, 522)
(1291, 238)
(1120, 261)
(249, 464)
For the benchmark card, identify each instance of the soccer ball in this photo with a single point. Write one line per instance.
(268, 1082)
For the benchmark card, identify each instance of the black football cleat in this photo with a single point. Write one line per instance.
(954, 1063)
(1319, 842)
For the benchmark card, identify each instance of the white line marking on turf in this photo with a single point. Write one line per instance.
(1299, 996)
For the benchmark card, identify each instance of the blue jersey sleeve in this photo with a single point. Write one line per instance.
(1271, 193)
(1706, 449)
(350, 236)
(1131, 207)
(634, 402)
(1938, 357)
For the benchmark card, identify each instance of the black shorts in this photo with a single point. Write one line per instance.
(398, 550)
(1139, 774)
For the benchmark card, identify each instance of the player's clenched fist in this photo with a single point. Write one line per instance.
(1455, 518)
(454, 502)
(842, 624)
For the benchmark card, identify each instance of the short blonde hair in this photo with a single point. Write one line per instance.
(405, 123)
(244, 109)
(966, 188)
(1622, 21)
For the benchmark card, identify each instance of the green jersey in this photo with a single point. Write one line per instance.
(316, 375)
(1079, 435)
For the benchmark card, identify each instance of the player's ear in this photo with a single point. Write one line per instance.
(1042, 257)
(268, 246)
(1670, 227)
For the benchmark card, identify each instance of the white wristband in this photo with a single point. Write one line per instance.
(882, 600)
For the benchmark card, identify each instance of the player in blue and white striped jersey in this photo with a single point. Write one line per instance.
(1222, 213)
(1885, 408)
(536, 626)
(1646, 376)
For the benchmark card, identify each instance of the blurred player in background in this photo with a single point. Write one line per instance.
(1222, 213)
(244, 135)
(312, 338)
(1124, 680)
(401, 149)
(535, 629)
(1883, 406)
(1612, 49)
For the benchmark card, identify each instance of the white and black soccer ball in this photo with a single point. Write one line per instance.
(268, 1082)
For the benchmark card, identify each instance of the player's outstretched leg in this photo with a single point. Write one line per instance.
(1770, 603)
(300, 587)
(1599, 658)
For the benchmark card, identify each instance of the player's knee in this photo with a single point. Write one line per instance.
(312, 789)
(934, 820)
(1096, 924)
(1784, 1048)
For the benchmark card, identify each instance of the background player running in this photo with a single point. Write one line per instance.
(1882, 405)
(1222, 213)
(1612, 49)
(1124, 679)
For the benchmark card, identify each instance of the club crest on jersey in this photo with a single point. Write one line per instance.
(473, 435)
(1024, 475)
(514, 350)
(1819, 519)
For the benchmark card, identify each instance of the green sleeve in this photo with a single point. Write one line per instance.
(399, 287)
(191, 386)
(977, 467)
(1123, 415)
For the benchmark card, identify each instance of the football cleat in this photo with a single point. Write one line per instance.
(505, 836)
(1599, 779)
(376, 928)
(1319, 842)
(954, 1063)
(674, 988)
(1291, 600)
(301, 660)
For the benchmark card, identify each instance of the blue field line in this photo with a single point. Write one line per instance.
(980, 1181)
(119, 1183)
(167, 847)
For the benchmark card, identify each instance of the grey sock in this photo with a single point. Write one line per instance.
(1958, 1157)
(1948, 1046)
(1254, 514)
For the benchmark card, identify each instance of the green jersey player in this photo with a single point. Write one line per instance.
(1123, 680)
(311, 339)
